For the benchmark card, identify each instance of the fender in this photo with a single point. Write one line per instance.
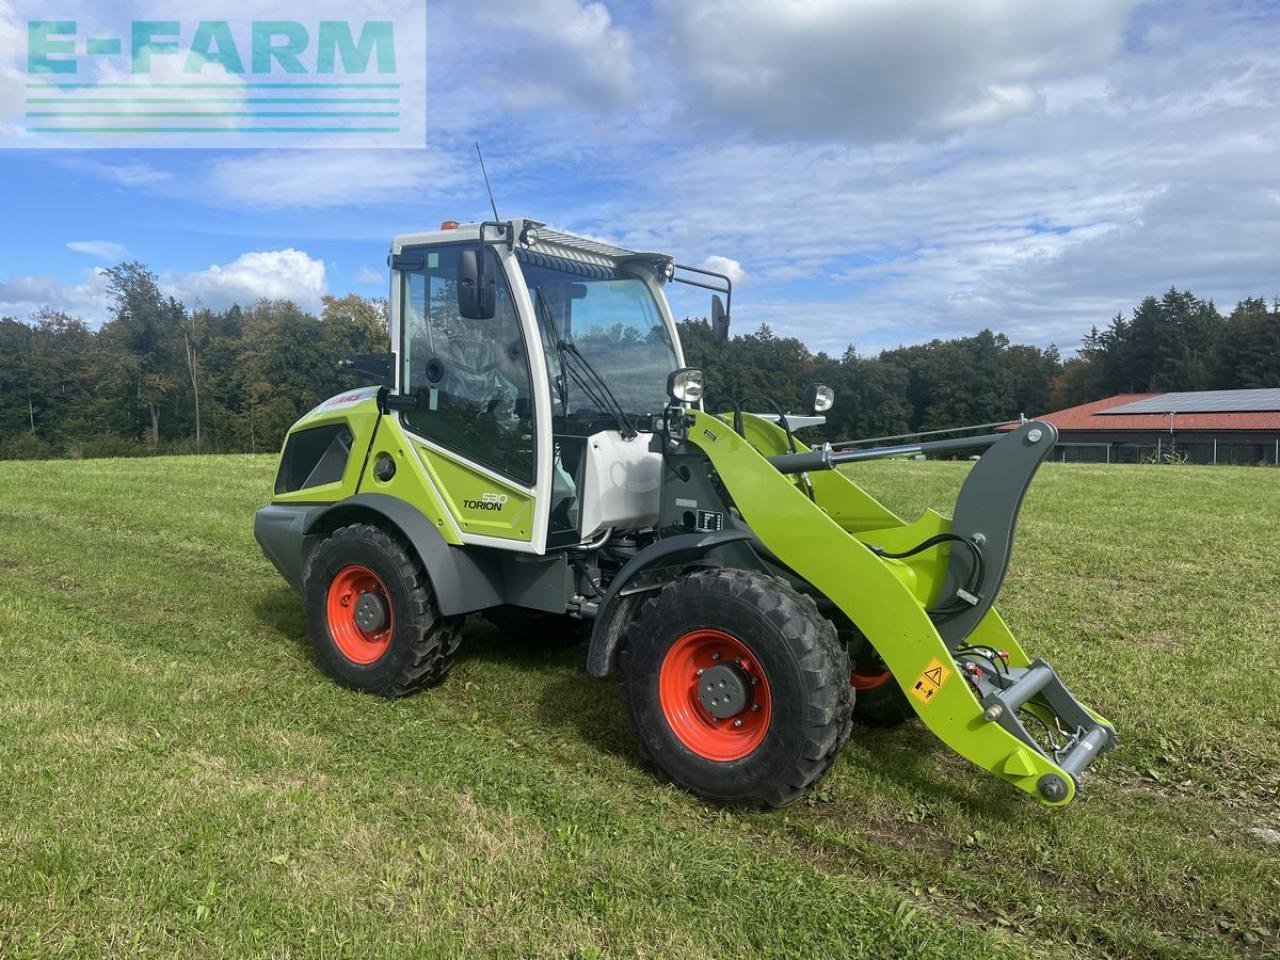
(464, 580)
(618, 604)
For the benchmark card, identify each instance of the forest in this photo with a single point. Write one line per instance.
(160, 377)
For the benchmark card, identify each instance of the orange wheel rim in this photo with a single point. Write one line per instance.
(351, 587)
(869, 678)
(687, 700)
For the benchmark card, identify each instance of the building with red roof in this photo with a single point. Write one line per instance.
(1204, 426)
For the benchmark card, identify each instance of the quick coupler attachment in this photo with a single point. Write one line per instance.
(1034, 705)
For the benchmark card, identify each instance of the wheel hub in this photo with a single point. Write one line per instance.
(359, 615)
(715, 694)
(371, 613)
(724, 690)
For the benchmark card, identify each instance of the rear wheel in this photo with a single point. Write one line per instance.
(880, 701)
(737, 687)
(372, 617)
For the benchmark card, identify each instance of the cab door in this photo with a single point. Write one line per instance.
(474, 429)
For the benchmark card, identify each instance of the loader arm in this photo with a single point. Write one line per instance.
(828, 540)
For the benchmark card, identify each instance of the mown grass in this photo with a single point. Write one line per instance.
(179, 779)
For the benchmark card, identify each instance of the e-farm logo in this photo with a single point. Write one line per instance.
(318, 78)
(488, 501)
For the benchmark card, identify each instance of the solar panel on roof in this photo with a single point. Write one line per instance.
(1204, 401)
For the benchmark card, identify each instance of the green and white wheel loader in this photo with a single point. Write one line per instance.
(536, 450)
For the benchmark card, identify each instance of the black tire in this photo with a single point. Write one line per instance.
(805, 669)
(422, 643)
(537, 627)
(882, 705)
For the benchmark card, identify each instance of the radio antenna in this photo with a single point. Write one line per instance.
(486, 181)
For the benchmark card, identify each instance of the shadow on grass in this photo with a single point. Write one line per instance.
(282, 613)
(592, 712)
(569, 700)
(912, 758)
(279, 609)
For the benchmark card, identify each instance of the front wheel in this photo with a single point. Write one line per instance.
(372, 616)
(737, 687)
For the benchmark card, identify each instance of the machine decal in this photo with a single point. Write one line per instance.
(710, 521)
(930, 681)
(487, 501)
(348, 399)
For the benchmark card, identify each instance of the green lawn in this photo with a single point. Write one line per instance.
(180, 780)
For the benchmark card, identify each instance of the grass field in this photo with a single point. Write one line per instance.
(180, 780)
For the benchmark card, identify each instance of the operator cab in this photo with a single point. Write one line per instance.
(539, 360)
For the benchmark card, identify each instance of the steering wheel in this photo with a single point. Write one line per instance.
(470, 346)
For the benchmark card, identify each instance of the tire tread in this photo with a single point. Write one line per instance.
(823, 662)
(435, 640)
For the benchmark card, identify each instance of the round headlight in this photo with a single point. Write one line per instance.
(685, 385)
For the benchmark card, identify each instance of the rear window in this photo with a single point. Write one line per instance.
(314, 457)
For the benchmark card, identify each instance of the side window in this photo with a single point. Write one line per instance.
(471, 377)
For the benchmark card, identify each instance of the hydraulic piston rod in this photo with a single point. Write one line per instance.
(824, 458)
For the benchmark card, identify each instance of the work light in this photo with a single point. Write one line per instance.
(819, 398)
(685, 385)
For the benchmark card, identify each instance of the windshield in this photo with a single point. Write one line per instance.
(616, 325)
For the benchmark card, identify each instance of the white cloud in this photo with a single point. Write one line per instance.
(101, 249)
(277, 179)
(12, 74)
(270, 274)
(872, 70)
(888, 171)
(127, 174)
(730, 268)
(559, 51)
(1127, 175)
(22, 296)
(993, 104)
(369, 275)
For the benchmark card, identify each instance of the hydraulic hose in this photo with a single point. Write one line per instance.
(974, 583)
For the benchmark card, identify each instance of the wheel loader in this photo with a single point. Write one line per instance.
(536, 450)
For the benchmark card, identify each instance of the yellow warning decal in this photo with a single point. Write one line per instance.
(930, 681)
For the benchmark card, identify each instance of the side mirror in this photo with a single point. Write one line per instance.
(719, 320)
(477, 289)
(372, 369)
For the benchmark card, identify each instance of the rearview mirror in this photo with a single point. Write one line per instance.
(477, 287)
(719, 319)
(373, 369)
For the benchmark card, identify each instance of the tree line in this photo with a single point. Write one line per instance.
(1174, 342)
(160, 376)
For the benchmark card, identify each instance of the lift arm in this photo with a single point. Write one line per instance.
(828, 540)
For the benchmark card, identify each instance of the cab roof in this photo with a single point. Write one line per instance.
(536, 236)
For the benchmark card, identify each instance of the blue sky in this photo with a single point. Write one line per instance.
(873, 172)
